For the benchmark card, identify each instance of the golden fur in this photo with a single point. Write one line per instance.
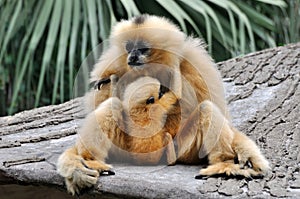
(193, 113)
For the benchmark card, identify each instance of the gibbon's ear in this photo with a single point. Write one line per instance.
(101, 82)
(162, 91)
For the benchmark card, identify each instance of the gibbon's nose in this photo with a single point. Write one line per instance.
(134, 58)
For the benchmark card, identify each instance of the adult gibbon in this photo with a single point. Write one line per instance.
(194, 116)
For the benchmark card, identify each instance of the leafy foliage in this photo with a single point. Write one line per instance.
(43, 43)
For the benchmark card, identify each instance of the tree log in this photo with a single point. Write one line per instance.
(263, 94)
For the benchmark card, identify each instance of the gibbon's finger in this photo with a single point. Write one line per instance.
(96, 165)
(90, 172)
(98, 84)
(89, 180)
(80, 178)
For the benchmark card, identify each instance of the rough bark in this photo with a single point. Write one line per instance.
(263, 93)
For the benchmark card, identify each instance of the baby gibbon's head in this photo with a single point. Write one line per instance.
(146, 103)
(148, 39)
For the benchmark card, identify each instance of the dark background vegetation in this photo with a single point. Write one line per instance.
(43, 43)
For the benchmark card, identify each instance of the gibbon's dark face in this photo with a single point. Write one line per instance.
(138, 51)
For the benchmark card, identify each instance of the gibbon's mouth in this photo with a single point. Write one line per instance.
(132, 64)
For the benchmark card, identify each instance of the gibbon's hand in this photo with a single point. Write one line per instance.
(80, 173)
(98, 84)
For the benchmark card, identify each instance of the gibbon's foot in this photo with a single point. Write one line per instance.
(229, 169)
(248, 154)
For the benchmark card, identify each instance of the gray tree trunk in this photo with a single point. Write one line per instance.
(263, 93)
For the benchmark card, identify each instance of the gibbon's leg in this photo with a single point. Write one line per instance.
(250, 161)
(81, 164)
(207, 132)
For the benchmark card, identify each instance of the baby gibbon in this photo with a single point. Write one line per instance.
(191, 111)
(130, 127)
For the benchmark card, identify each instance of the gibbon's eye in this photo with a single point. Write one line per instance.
(101, 82)
(144, 50)
(150, 100)
(129, 46)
